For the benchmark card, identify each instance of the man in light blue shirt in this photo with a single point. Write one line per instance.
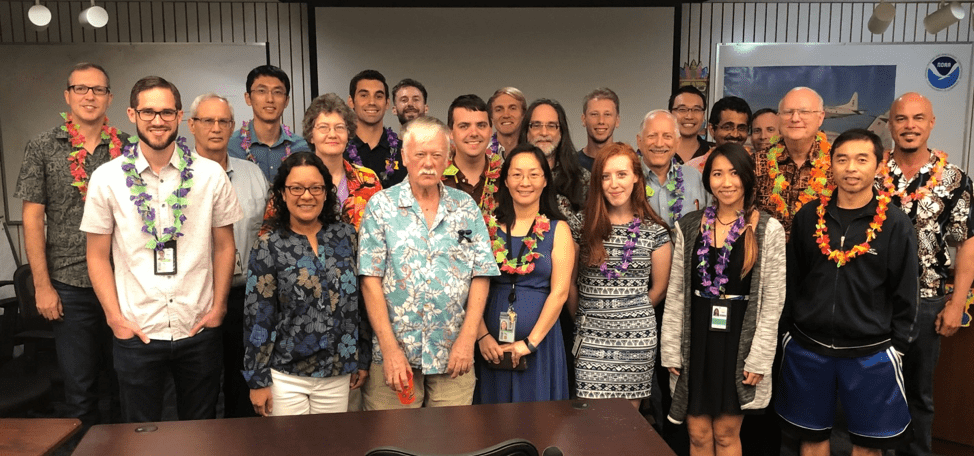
(265, 140)
(425, 261)
(673, 190)
(211, 121)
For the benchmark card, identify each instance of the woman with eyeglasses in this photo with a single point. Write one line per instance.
(302, 350)
(724, 298)
(520, 339)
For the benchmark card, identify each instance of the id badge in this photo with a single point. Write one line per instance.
(166, 258)
(578, 333)
(238, 266)
(507, 323)
(718, 317)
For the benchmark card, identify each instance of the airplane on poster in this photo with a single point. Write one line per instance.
(849, 109)
(879, 126)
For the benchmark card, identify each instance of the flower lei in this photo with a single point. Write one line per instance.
(352, 151)
(495, 146)
(816, 184)
(714, 288)
(677, 190)
(525, 264)
(245, 141)
(487, 201)
(936, 175)
(177, 201)
(632, 234)
(76, 159)
(822, 236)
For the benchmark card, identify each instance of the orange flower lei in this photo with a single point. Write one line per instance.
(487, 201)
(816, 184)
(821, 231)
(76, 158)
(936, 175)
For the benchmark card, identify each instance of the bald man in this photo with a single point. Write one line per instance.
(802, 154)
(937, 196)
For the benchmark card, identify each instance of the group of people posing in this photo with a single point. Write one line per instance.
(487, 260)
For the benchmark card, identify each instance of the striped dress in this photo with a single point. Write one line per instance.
(616, 325)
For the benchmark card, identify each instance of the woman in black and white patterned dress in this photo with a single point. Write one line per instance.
(623, 241)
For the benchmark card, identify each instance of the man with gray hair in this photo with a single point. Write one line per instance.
(425, 262)
(211, 122)
(673, 189)
(799, 170)
(600, 117)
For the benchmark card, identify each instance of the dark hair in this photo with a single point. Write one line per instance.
(601, 93)
(406, 83)
(272, 71)
(327, 104)
(87, 66)
(370, 75)
(736, 104)
(469, 102)
(859, 134)
(597, 226)
(743, 163)
(687, 89)
(763, 111)
(568, 180)
(282, 217)
(547, 205)
(153, 82)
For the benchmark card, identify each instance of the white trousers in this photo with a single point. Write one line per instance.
(294, 395)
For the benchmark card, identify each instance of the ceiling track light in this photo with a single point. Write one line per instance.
(882, 17)
(39, 15)
(944, 17)
(94, 16)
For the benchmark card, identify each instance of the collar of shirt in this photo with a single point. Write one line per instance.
(280, 139)
(141, 163)
(229, 168)
(406, 198)
(651, 177)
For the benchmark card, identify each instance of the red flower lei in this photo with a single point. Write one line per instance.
(936, 175)
(487, 201)
(821, 231)
(816, 184)
(76, 159)
(525, 264)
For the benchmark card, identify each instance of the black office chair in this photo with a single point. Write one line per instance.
(22, 384)
(513, 447)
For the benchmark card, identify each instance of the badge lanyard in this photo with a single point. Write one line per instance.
(508, 335)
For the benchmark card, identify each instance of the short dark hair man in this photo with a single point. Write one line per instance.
(600, 117)
(851, 308)
(374, 146)
(473, 168)
(730, 121)
(409, 100)
(689, 105)
(265, 140)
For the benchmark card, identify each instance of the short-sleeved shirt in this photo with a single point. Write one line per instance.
(45, 178)
(695, 197)
(251, 187)
(165, 307)
(426, 272)
(267, 156)
(797, 177)
(453, 177)
(375, 158)
(946, 210)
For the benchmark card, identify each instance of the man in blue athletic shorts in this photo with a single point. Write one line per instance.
(851, 308)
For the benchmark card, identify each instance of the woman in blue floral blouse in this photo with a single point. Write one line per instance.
(302, 351)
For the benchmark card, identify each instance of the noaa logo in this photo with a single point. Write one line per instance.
(943, 72)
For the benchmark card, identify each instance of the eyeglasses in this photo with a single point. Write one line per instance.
(325, 129)
(518, 177)
(81, 89)
(297, 190)
(803, 113)
(730, 128)
(148, 115)
(683, 110)
(535, 126)
(277, 93)
(208, 122)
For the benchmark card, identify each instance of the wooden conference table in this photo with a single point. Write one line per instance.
(35, 436)
(597, 427)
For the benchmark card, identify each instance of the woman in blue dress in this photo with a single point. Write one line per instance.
(533, 247)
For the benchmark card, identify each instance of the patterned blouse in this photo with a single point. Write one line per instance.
(301, 314)
(944, 211)
(362, 184)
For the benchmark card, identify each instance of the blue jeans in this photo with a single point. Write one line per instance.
(195, 364)
(83, 342)
(918, 367)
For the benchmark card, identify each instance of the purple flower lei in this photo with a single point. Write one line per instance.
(715, 288)
(676, 189)
(632, 234)
(245, 141)
(352, 152)
(494, 146)
(140, 196)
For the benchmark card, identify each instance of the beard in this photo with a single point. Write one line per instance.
(161, 145)
(548, 149)
(408, 115)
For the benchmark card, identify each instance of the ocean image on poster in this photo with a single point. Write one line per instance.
(855, 96)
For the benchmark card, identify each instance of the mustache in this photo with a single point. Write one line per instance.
(424, 172)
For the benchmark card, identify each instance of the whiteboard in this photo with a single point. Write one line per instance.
(34, 77)
(831, 70)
